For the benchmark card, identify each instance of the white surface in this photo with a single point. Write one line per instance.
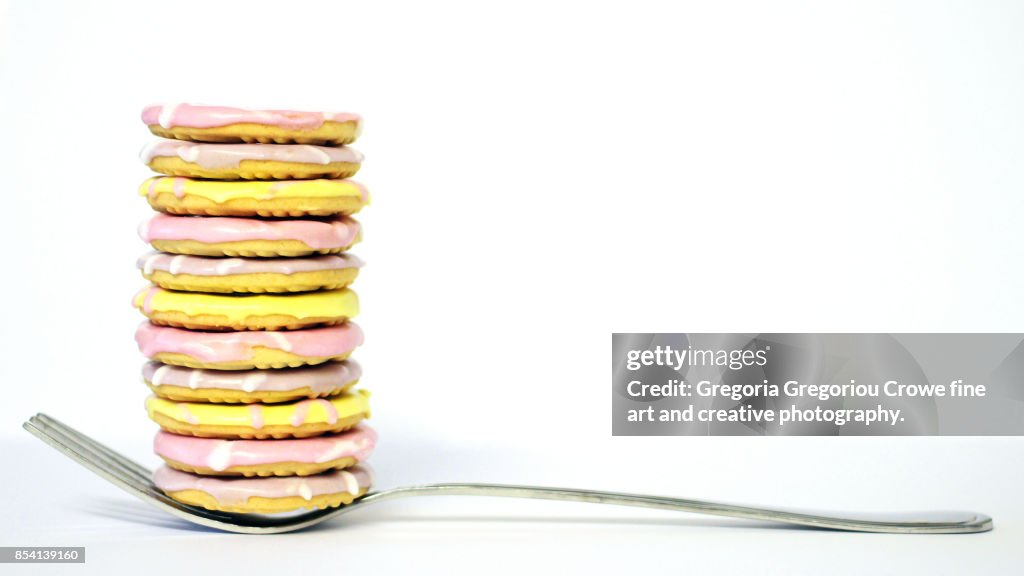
(468, 535)
(545, 174)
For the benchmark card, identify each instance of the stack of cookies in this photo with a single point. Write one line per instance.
(249, 312)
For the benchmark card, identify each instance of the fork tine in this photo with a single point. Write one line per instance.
(128, 464)
(140, 487)
(117, 476)
(90, 450)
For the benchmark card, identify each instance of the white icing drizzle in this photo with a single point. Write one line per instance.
(252, 382)
(189, 153)
(175, 265)
(144, 229)
(351, 482)
(147, 266)
(193, 378)
(256, 415)
(145, 153)
(337, 449)
(220, 457)
(158, 375)
(281, 340)
(324, 158)
(332, 414)
(305, 491)
(167, 115)
(301, 411)
(227, 265)
(187, 416)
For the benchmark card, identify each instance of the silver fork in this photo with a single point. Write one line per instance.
(136, 480)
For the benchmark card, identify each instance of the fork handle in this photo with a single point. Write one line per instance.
(904, 523)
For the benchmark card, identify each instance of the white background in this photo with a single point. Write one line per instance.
(544, 174)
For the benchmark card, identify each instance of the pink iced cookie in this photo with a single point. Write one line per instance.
(246, 350)
(247, 386)
(203, 266)
(226, 124)
(229, 236)
(250, 161)
(290, 457)
(265, 495)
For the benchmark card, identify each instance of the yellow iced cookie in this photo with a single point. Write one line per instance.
(200, 311)
(227, 275)
(224, 124)
(177, 195)
(265, 495)
(250, 161)
(301, 419)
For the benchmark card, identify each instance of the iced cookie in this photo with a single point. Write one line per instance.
(223, 124)
(248, 349)
(177, 195)
(265, 495)
(226, 275)
(300, 419)
(250, 161)
(200, 311)
(228, 236)
(288, 457)
(247, 386)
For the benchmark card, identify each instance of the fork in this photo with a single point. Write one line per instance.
(137, 481)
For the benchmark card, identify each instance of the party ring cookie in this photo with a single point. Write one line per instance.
(229, 236)
(226, 275)
(247, 386)
(300, 419)
(178, 195)
(248, 349)
(286, 457)
(200, 311)
(250, 161)
(265, 495)
(224, 124)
